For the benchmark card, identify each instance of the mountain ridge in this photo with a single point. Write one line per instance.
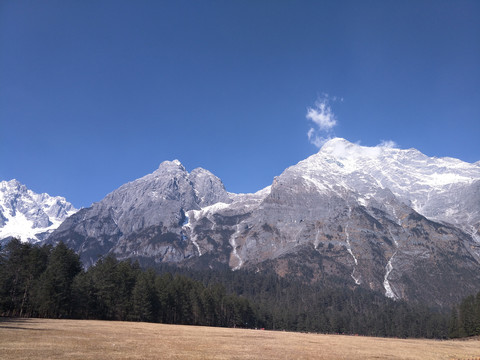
(391, 220)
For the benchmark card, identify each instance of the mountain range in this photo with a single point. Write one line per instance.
(391, 220)
(27, 215)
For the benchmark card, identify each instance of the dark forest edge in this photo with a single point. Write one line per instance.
(50, 282)
(465, 318)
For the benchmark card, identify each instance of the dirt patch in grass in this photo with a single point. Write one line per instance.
(85, 339)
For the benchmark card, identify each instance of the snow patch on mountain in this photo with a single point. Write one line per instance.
(349, 249)
(236, 259)
(386, 284)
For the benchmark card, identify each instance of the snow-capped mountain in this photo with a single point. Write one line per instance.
(392, 220)
(441, 189)
(27, 215)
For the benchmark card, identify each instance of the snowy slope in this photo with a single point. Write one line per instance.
(27, 215)
(441, 189)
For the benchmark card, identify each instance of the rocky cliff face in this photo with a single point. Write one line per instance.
(27, 215)
(143, 218)
(392, 220)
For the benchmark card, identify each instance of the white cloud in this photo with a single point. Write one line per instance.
(322, 115)
(324, 120)
(315, 139)
(388, 144)
(311, 133)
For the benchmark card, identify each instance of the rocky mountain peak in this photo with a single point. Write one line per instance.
(153, 207)
(174, 165)
(13, 187)
(27, 215)
(208, 187)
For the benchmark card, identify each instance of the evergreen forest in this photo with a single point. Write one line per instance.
(465, 318)
(50, 282)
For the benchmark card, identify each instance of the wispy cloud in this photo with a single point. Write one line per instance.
(323, 119)
(322, 115)
(388, 144)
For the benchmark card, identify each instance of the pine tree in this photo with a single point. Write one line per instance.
(21, 266)
(467, 316)
(85, 302)
(13, 276)
(55, 284)
(145, 304)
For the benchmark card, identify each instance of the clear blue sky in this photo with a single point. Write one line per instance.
(97, 93)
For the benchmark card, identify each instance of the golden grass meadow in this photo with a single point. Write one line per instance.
(88, 339)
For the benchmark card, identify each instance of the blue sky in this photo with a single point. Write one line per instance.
(94, 94)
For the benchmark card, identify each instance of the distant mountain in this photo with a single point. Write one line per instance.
(27, 215)
(395, 221)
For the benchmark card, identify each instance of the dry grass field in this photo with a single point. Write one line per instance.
(82, 339)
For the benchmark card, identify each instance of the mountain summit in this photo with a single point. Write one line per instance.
(27, 215)
(434, 187)
(391, 220)
(143, 218)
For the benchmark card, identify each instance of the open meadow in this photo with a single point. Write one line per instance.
(85, 339)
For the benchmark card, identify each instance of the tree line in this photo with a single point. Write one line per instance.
(465, 318)
(46, 281)
(330, 306)
(50, 282)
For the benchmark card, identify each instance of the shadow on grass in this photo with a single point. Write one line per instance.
(15, 323)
